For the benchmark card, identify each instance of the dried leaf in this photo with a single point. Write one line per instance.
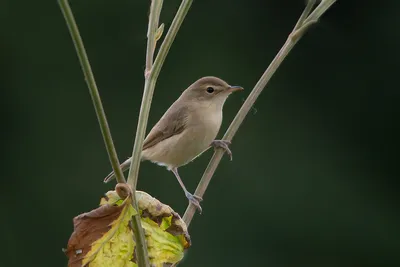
(102, 237)
(166, 233)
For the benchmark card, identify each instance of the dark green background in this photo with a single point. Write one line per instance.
(315, 170)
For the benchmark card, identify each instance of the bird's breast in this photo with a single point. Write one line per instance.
(201, 129)
(205, 124)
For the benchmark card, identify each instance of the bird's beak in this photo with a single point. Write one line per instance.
(235, 88)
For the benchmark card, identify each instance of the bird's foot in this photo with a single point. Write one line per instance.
(195, 200)
(224, 144)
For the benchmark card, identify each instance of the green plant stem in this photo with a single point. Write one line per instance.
(299, 30)
(94, 93)
(139, 237)
(150, 82)
(304, 15)
(320, 10)
(170, 37)
(155, 10)
(141, 249)
(151, 75)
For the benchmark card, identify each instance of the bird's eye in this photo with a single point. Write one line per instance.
(210, 90)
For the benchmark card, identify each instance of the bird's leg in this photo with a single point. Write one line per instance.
(224, 144)
(195, 200)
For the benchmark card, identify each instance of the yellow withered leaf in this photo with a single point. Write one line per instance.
(102, 237)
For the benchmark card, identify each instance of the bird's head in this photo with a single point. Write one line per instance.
(209, 90)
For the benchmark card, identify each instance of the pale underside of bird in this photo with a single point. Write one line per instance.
(187, 129)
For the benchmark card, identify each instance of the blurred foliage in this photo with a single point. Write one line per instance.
(313, 181)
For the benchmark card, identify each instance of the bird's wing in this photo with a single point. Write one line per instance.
(171, 123)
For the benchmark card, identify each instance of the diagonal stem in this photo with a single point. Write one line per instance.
(94, 92)
(304, 15)
(301, 26)
(320, 10)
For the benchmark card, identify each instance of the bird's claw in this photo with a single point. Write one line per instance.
(224, 144)
(195, 200)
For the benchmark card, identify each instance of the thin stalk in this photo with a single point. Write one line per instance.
(170, 37)
(149, 86)
(139, 237)
(141, 249)
(155, 10)
(294, 37)
(304, 15)
(319, 10)
(151, 75)
(94, 92)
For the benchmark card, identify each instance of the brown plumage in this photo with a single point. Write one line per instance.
(187, 128)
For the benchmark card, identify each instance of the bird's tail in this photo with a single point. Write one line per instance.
(124, 166)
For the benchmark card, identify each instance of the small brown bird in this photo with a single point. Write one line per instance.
(187, 129)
